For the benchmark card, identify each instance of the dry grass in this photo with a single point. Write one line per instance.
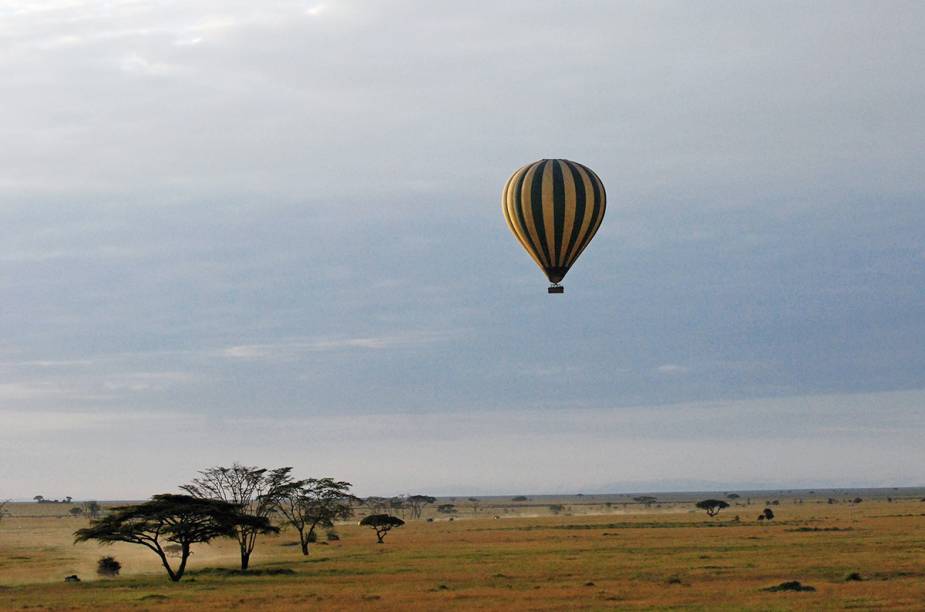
(666, 558)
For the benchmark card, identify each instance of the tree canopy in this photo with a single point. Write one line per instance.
(168, 518)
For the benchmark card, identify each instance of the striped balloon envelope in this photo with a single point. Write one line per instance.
(554, 207)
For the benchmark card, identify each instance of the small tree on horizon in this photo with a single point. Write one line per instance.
(398, 503)
(382, 523)
(417, 504)
(169, 519)
(91, 509)
(376, 504)
(645, 500)
(712, 506)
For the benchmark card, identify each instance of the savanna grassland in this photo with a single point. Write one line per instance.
(589, 556)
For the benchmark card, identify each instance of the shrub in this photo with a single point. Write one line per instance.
(108, 566)
(793, 585)
(332, 536)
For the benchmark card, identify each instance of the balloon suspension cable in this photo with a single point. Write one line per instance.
(556, 288)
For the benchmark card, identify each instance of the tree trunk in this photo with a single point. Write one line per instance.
(184, 552)
(173, 576)
(245, 560)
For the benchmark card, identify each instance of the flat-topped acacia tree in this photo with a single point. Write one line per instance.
(167, 519)
(712, 506)
(382, 523)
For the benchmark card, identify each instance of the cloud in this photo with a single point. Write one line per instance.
(292, 349)
(671, 368)
(147, 381)
(37, 423)
(136, 65)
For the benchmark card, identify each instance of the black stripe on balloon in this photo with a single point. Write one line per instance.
(580, 198)
(519, 211)
(594, 212)
(536, 204)
(600, 185)
(558, 208)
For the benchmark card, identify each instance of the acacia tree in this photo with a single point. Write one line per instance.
(91, 509)
(712, 506)
(645, 500)
(3, 508)
(382, 523)
(255, 491)
(376, 504)
(315, 502)
(180, 520)
(417, 503)
(398, 503)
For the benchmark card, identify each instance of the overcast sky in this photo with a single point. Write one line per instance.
(271, 232)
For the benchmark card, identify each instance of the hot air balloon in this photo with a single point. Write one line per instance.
(554, 207)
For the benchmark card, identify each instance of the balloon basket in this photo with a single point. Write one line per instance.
(556, 289)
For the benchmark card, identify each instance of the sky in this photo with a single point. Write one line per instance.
(271, 233)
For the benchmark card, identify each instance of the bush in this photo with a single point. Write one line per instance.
(312, 537)
(793, 585)
(332, 536)
(108, 566)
